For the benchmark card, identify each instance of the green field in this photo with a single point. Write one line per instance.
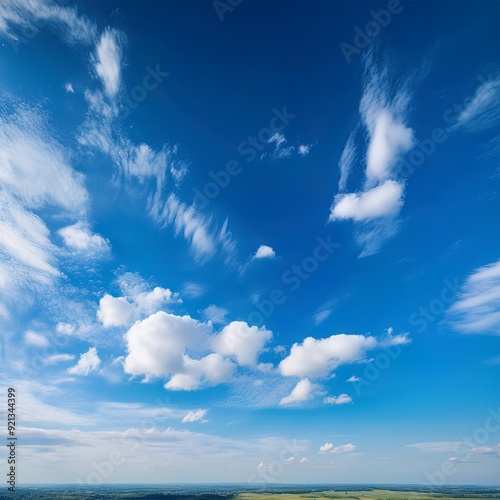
(364, 495)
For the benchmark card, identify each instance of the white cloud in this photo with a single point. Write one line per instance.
(483, 111)
(347, 159)
(158, 346)
(65, 328)
(195, 416)
(108, 61)
(69, 88)
(389, 138)
(304, 149)
(280, 151)
(477, 309)
(137, 302)
(31, 15)
(264, 252)
(380, 201)
(196, 228)
(217, 315)
(58, 358)
(79, 238)
(353, 379)
(114, 311)
(210, 370)
(342, 399)
(321, 316)
(303, 391)
(193, 290)
(88, 362)
(383, 109)
(242, 341)
(317, 358)
(35, 339)
(344, 448)
(34, 174)
(437, 446)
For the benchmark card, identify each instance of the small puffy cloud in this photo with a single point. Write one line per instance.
(69, 88)
(79, 238)
(242, 341)
(121, 311)
(114, 311)
(264, 252)
(195, 416)
(87, 363)
(215, 314)
(193, 290)
(303, 391)
(338, 400)
(353, 379)
(65, 328)
(108, 62)
(35, 339)
(318, 357)
(380, 201)
(304, 149)
(477, 309)
(344, 448)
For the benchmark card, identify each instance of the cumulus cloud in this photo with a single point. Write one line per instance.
(264, 252)
(318, 357)
(242, 341)
(353, 379)
(380, 201)
(88, 362)
(342, 399)
(195, 416)
(344, 448)
(137, 302)
(303, 391)
(69, 88)
(477, 309)
(383, 111)
(158, 347)
(79, 237)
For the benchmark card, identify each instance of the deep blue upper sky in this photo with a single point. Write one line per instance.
(328, 312)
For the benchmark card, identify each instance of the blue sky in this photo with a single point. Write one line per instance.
(251, 241)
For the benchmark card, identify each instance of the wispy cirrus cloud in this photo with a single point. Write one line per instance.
(477, 310)
(22, 14)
